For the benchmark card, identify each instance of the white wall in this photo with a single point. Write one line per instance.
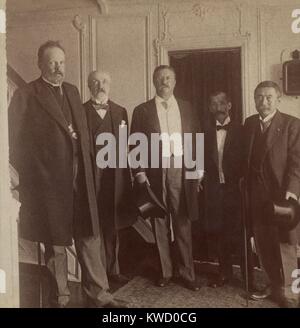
(130, 37)
(9, 270)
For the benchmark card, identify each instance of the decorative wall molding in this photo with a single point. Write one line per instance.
(286, 54)
(148, 76)
(141, 13)
(102, 5)
(78, 24)
(81, 27)
(202, 11)
(261, 46)
(92, 44)
(164, 19)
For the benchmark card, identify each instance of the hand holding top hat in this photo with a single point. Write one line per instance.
(285, 213)
(148, 205)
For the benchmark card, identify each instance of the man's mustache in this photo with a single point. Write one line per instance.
(59, 72)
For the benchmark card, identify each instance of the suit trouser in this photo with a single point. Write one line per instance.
(111, 243)
(106, 196)
(94, 278)
(57, 264)
(225, 229)
(278, 257)
(183, 255)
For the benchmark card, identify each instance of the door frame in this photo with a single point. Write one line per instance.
(211, 42)
(9, 206)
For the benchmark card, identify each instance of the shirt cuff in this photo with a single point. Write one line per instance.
(291, 195)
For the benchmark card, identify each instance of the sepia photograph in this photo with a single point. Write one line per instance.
(150, 155)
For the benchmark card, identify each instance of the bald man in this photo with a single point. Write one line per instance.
(113, 185)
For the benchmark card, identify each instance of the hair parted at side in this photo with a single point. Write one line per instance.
(161, 67)
(46, 45)
(220, 92)
(268, 84)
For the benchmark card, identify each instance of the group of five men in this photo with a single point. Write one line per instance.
(64, 194)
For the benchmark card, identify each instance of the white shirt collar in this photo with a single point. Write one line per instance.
(170, 101)
(227, 121)
(268, 117)
(51, 83)
(97, 101)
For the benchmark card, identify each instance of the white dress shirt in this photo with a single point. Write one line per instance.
(221, 137)
(170, 124)
(54, 84)
(266, 122)
(101, 112)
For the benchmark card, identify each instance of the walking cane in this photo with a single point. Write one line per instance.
(40, 275)
(244, 223)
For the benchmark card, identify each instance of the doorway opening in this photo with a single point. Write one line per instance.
(198, 74)
(201, 72)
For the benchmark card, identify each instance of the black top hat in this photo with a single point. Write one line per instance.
(147, 203)
(285, 213)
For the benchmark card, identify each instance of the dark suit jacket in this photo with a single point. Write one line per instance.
(145, 120)
(215, 203)
(124, 214)
(280, 164)
(41, 150)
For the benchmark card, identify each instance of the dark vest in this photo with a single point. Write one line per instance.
(258, 147)
(259, 174)
(106, 176)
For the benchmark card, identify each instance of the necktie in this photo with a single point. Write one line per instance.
(265, 125)
(164, 104)
(222, 127)
(58, 94)
(99, 106)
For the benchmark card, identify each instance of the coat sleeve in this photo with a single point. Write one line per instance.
(136, 127)
(16, 118)
(293, 163)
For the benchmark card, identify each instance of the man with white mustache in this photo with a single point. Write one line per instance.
(113, 184)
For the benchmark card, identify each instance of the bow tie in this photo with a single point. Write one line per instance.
(222, 127)
(99, 106)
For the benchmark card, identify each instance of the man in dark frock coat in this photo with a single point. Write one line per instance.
(272, 173)
(49, 147)
(113, 184)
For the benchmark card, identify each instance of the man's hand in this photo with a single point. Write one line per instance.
(200, 181)
(291, 195)
(141, 177)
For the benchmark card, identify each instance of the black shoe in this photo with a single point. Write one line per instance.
(61, 302)
(193, 285)
(163, 282)
(218, 281)
(260, 295)
(119, 278)
(117, 304)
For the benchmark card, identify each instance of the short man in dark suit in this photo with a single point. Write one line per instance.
(49, 147)
(113, 184)
(223, 169)
(272, 173)
(166, 114)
